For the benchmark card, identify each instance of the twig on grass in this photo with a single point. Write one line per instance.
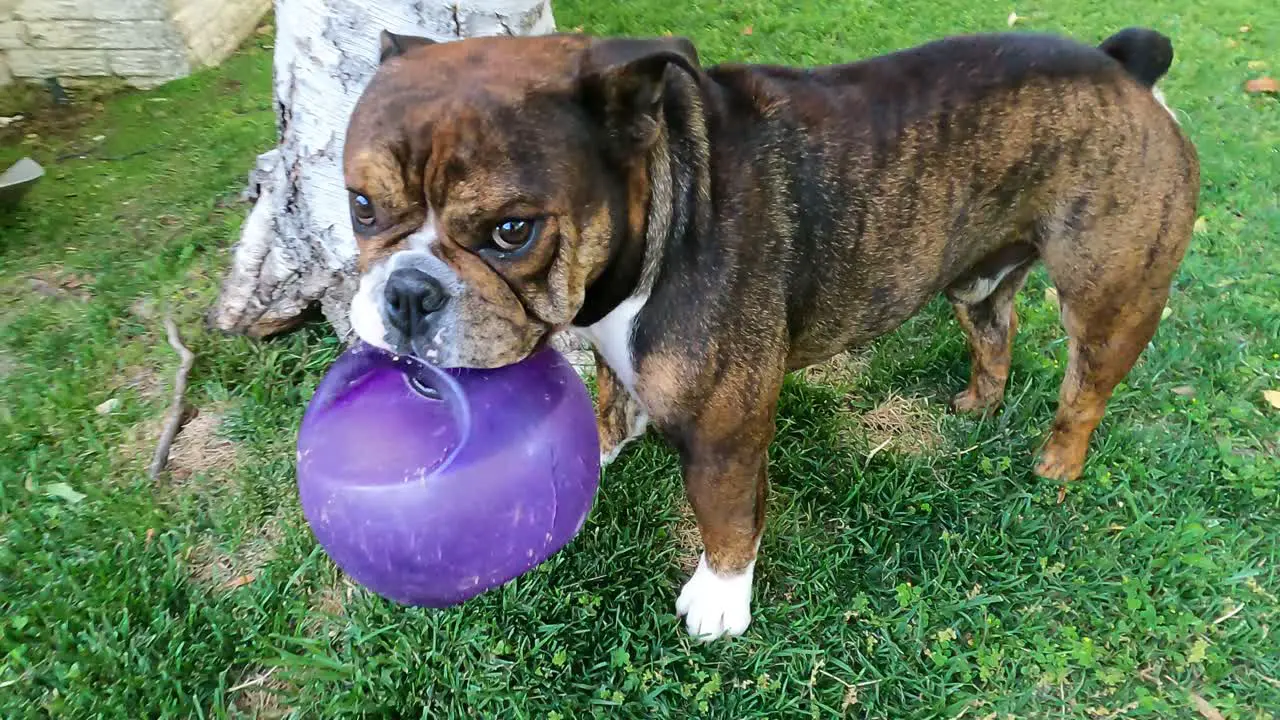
(174, 422)
(875, 451)
(253, 682)
(1229, 614)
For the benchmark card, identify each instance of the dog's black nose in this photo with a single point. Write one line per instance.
(411, 296)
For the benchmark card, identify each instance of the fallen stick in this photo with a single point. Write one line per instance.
(174, 423)
(253, 682)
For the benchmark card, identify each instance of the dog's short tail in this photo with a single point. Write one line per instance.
(1146, 54)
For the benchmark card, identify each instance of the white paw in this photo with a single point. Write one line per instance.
(716, 605)
(606, 458)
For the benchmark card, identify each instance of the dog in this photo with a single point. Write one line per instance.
(710, 229)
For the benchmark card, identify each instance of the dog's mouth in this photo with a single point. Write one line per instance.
(543, 341)
(426, 347)
(421, 347)
(431, 348)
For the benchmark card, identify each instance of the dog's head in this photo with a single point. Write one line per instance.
(494, 181)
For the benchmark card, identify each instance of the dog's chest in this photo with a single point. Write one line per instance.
(612, 337)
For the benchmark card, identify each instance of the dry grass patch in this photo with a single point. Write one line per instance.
(902, 424)
(898, 424)
(200, 448)
(259, 695)
(141, 379)
(684, 530)
(144, 309)
(61, 285)
(214, 567)
(8, 365)
(329, 605)
(841, 372)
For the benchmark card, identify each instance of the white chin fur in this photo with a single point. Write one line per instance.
(365, 315)
(714, 605)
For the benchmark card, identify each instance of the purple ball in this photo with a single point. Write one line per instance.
(431, 486)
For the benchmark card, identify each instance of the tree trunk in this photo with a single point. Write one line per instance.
(296, 249)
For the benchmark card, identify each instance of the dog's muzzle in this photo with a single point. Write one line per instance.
(412, 298)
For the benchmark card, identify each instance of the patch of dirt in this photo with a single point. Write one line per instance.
(139, 442)
(141, 379)
(144, 309)
(200, 448)
(841, 371)
(332, 600)
(8, 365)
(902, 424)
(59, 284)
(213, 567)
(328, 603)
(45, 120)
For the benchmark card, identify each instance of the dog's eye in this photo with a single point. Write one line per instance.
(514, 233)
(362, 210)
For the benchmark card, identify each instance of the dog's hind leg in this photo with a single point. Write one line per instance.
(983, 303)
(1103, 343)
(1112, 292)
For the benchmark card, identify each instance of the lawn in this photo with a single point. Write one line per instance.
(913, 566)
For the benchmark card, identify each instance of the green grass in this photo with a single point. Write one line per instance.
(945, 584)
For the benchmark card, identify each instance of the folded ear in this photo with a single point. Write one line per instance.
(622, 82)
(393, 45)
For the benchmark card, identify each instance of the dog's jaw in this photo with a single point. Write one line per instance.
(715, 605)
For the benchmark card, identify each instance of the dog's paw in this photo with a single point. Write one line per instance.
(639, 422)
(608, 456)
(1061, 461)
(714, 605)
(970, 402)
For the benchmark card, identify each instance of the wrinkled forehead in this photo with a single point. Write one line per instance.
(459, 93)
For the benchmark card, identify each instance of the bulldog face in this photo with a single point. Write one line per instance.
(491, 182)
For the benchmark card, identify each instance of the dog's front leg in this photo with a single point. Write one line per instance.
(726, 480)
(619, 417)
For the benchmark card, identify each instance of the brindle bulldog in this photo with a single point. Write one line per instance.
(710, 229)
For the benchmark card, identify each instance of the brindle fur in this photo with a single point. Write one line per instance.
(778, 216)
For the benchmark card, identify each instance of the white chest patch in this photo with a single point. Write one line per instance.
(613, 335)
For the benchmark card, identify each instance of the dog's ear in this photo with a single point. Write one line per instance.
(622, 81)
(393, 45)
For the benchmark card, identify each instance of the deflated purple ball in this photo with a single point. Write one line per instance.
(431, 486)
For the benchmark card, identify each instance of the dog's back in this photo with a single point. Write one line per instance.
(943, 164)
